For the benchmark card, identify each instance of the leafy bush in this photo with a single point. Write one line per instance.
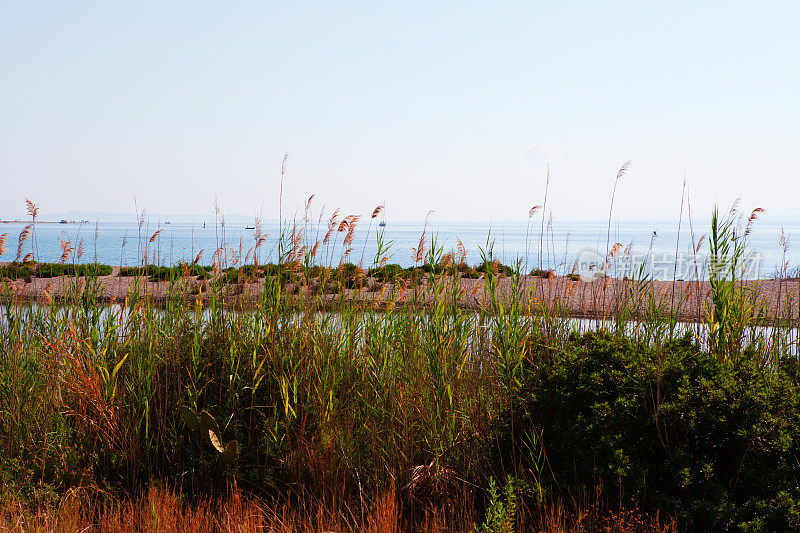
(350, 276)
(498, 269)
(49, 270)
(388, 273)
(712, 441)
(30, 270)
(502, 510)
(392, 273)
(16, 271)
(163, 273)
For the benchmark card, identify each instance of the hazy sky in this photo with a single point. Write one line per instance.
(454, 107)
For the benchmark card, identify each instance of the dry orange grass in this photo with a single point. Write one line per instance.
(163, 510)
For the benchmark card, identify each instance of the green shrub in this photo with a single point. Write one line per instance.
(51, 270)
(392, 273)
(470, 273)
(498, 268)
(156, 273)
(388, 273)
(501, 512)
(349, 276)
(16, 271)
(713, 442)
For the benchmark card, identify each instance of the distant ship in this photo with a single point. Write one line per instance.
(62, 221)
(249, 227)
(382, 224)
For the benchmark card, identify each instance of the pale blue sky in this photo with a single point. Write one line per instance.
(450, 107)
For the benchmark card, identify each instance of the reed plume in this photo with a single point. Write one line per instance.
(280, 194)
(351, 229)
(33, 209)
(754, 216)
(352, 222)
(295, 250)
(331, 226)
(308, 205)
(197, 257)
(418, 253)
(215, 259)
(700, 243)
(23, 237)
(66, 251)
(447, 259)
(3, 239)
(622, 171)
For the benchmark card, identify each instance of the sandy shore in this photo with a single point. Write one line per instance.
(598, 298)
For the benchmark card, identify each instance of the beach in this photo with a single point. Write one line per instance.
(772, 299)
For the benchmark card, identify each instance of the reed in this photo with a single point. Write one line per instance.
(315, 393)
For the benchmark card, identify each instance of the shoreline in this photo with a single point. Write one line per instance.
(68, 223)
(606, 298)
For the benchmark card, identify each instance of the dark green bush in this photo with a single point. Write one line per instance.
(715, 443)
(468, 272)
(50, 270)
(16, 271)
(350, 276)
(392, 273)
(498, 269)
(163, 273)
(388, 273)
(541, 272)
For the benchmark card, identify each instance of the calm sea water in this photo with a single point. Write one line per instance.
(563, 244)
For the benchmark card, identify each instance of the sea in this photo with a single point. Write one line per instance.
(657, 249)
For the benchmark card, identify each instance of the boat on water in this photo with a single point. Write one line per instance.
(249, 227)
(382, 224)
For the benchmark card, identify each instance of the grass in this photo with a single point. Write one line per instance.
(29, 270)
(293, 417)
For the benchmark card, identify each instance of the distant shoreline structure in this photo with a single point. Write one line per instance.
(44, 222)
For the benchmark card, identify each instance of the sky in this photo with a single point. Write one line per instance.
(455, 107)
